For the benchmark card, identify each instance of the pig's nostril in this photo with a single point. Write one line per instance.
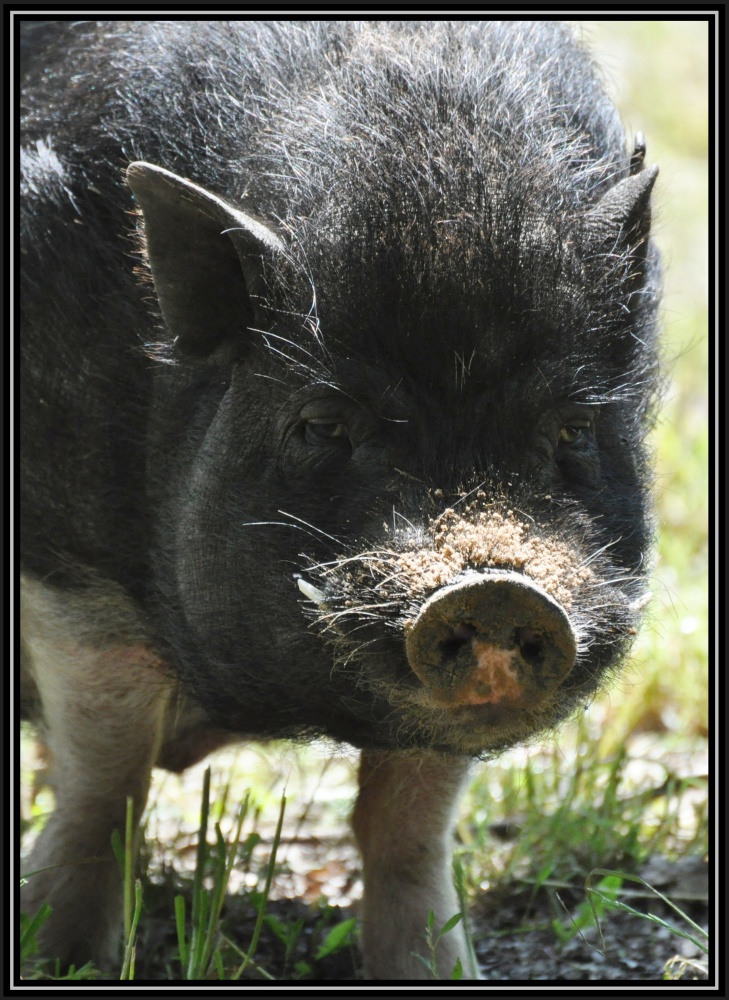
(464, 633)
(530, 643)
(460, 637)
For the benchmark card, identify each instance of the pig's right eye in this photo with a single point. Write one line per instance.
(325, 432)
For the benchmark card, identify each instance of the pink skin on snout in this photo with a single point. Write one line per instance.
(494, 680)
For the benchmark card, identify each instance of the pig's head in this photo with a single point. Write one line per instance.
(398, 452)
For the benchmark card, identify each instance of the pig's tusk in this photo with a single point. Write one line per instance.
(310, 591)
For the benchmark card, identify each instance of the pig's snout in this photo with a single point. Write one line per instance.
(494, 638)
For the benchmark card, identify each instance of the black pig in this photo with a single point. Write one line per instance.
(338, 360)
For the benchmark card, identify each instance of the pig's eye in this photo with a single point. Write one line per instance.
(325, 431)
(574, 432)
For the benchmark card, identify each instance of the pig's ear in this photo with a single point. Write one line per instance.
(206, 258)
(621, 220)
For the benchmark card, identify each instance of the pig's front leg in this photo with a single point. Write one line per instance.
(101, 713)
(403, 822)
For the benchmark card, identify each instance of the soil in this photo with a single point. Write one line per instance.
(512, 928)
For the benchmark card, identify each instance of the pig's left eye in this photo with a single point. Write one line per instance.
(325, 431)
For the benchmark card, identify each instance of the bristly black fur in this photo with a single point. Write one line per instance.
(454, 291)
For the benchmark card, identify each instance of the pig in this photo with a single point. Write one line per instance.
(338, 359)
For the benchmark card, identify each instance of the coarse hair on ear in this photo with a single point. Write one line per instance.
(206, 258)
(620, 222)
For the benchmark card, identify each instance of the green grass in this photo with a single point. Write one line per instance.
(205, 948)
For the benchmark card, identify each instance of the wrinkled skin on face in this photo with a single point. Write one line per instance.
(370, 592)
(338, 361)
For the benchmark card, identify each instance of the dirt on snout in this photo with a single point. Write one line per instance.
(478, 537)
